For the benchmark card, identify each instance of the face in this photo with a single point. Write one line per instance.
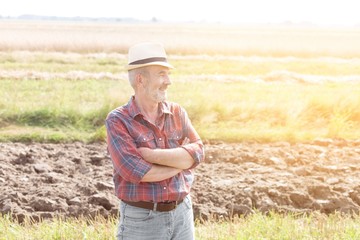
(155, 82)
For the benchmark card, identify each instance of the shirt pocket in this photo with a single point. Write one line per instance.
(175, 138)
(145, 140)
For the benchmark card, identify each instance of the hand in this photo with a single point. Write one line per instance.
(185, 141)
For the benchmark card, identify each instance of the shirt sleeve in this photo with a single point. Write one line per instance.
(127, 162)
(196, 146)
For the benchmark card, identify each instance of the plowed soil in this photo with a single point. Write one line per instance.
(48, 180)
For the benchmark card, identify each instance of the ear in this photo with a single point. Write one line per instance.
(140, 80)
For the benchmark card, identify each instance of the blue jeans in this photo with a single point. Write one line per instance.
(138, 223)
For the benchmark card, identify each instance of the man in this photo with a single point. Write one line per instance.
(153, 147)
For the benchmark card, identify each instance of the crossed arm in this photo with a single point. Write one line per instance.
(166, 162)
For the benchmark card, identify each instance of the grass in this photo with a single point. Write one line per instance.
(276, 226)
(57, 110)
(232, 66)
(51, 96)
(81, 228)
(255, 226)
(61, 110)
(181, 39)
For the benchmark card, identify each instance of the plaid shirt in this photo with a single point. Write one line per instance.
(128, 130)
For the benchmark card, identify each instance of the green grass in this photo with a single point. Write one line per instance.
(255, 226)
(187, 65)
(276, 226)
(61, 110)
(57, 110)
(59, 97)
(81, 228)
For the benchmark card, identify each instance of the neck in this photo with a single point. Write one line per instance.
(148, 108)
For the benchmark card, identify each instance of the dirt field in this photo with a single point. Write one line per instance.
(45, 180)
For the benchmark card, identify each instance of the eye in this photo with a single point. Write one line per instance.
(162, 74)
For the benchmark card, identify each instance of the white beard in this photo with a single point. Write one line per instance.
(160, 96)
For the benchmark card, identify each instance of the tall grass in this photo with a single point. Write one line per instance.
(255, 226)
(57, 110)
(64, 110)
(272, 111)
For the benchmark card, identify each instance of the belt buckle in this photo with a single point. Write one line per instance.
(155, 206)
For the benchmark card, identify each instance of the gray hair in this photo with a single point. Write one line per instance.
(132, 75)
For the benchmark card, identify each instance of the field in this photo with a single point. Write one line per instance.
(271, 84)
(277, 99)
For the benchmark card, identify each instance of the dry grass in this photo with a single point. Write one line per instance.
(180, 39)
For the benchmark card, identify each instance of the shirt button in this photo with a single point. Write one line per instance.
(164, 188)
(160, 139)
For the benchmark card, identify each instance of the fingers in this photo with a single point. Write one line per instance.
(185, 141)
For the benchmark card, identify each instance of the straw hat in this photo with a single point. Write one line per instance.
(145, 54)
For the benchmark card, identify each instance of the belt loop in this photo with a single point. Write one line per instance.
(155, 206)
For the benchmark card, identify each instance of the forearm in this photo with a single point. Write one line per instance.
(159, 173)
(173, 157)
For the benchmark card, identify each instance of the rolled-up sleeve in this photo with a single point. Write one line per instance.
(127, 162)
(196, 146)
(196, 150)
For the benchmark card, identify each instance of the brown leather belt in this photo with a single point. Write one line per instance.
(160, 207)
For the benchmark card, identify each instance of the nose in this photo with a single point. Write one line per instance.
(167, 80)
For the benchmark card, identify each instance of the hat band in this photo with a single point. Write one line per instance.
(149, 60)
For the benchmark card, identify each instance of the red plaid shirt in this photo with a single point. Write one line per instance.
(127, 130)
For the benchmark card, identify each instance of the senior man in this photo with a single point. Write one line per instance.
(153, 147)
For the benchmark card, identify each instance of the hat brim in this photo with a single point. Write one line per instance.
(164, 64)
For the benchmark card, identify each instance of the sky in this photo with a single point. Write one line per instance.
(320, 12)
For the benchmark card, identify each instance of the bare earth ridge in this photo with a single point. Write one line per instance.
(48, 180)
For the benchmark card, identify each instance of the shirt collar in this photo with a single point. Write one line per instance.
(134, 110)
